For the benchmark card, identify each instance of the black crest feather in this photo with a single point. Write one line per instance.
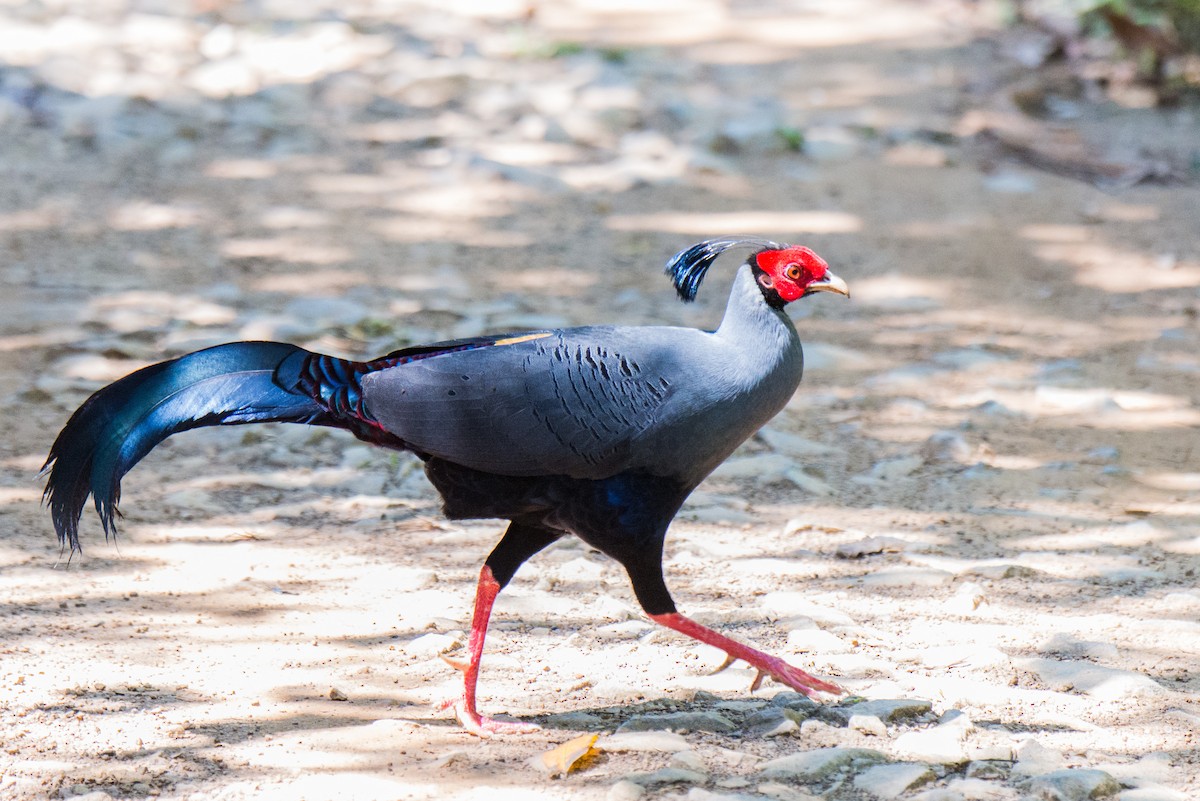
(688, 267)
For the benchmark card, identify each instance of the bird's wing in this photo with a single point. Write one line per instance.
(570, 402)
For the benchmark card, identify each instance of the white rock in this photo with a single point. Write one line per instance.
(432, 644)
(891, 781)
(868, 724)
(1009, 183)
(1102, 683)
(981, 790)
(688, 760)
(809, 483)
(625, 790)
(869, 546)
(946, 447)
(763, 467)
(1073, 784)
(1152, 794)
(706, 720)
(654, 741)
(892, 710)
(908, 577)
(943, 744)
(816, 764)
(889, 470)
(793, 444)
(1034, 758)
(1066, 644)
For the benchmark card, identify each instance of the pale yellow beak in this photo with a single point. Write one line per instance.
(829, 283)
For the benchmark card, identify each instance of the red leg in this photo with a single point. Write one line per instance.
(464, 708)
(766, 664)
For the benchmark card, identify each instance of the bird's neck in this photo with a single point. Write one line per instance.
(752, 323)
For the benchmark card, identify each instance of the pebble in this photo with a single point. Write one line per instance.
(653, 741)
(1101, 683)
(809, 483)
(943, 744)
(1073, 784)
(1033, 758)
(908, 577)
(1009, 183)
(707, 720)
(892, 710)
(867, 724)
(432, 644)
(700, 794)
(761, 467)
(1152, 794)
(668, 776)
(981, 790)
(891, 781)
(625, 790)
(814, 765)
(783, 792)
(793, 444)
(773, 722)
(946, 447)
(688, 760)
(870, 546)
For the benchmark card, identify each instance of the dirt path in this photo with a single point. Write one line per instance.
(984, 497)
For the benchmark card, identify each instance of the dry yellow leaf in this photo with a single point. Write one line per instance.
(561, 759)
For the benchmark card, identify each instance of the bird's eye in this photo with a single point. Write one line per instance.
(793, 272)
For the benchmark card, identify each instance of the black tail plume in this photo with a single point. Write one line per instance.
(243, 382)
(687, 267)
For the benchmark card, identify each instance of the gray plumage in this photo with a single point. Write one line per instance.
(592, 402)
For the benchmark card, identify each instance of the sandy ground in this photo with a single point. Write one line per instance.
(985, 494)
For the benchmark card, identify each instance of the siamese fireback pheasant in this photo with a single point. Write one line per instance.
(601, 432)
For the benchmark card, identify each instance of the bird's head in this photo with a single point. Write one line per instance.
(784, 272)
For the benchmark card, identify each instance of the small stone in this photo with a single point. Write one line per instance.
(1033, 758)
(625, 790)
(688, 760)
(678, 721)
(668, 776)
(946, 447)
(1102, 683)
(892, 710)
(809, 483)
(783, 792)
(1009, 183)
(868, 724)
(432, 644)
(819, 763)
(793, 444)
(981, 790)
(943, 744)
(773, 722)
(908, 577)
(762, 467)
(794, 701)
(337, 695)
(1152, 794)
(890, 781)
(1073, 784)
(870, 546)
(653, 741)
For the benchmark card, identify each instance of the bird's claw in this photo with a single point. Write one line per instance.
(729, 660)
(795, 678)
(484, 727)
(456, 664)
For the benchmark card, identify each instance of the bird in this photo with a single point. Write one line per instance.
(597, 432)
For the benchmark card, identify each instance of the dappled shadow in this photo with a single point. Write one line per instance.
(355, 186)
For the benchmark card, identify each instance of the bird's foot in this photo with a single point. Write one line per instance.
(484, 727)
(791, 676)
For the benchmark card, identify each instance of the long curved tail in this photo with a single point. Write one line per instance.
(243, 382)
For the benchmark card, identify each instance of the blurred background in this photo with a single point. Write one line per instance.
(1006, 410)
